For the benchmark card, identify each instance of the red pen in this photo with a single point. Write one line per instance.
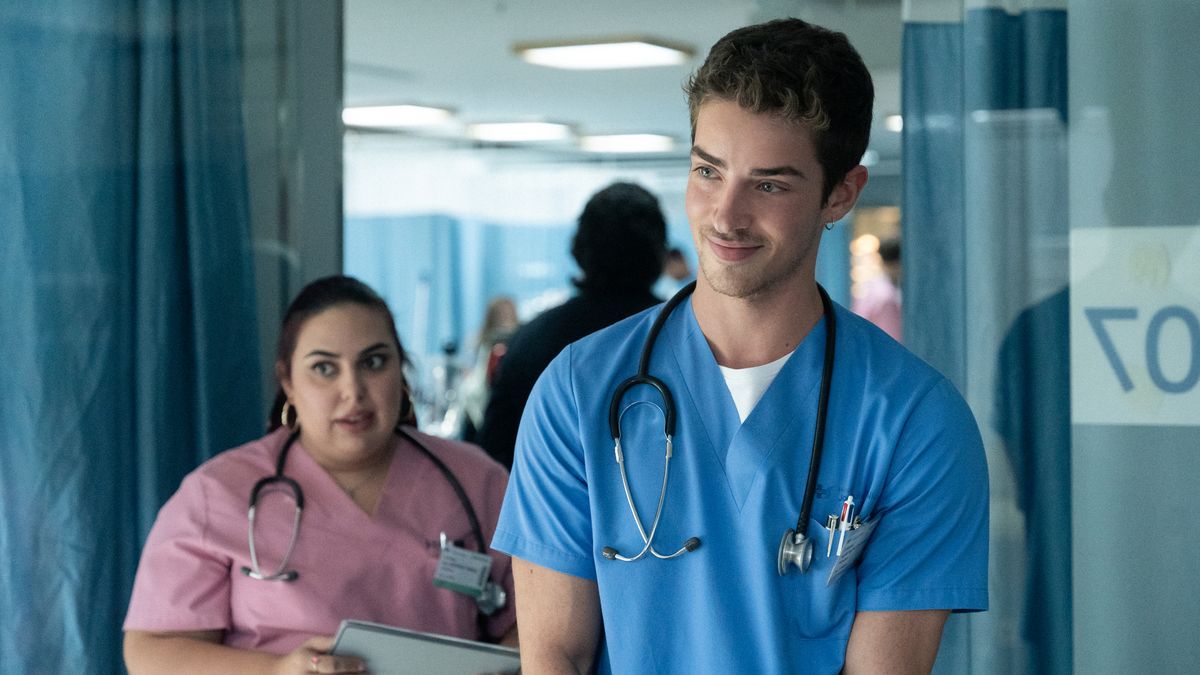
(844, 521)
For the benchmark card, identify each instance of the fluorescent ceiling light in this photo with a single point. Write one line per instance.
(604, 54)
(394, 116)
(519, 132)
(894, 123)
(628, 143)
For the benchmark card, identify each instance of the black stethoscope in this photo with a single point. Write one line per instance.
(493, 596)
(795, 548)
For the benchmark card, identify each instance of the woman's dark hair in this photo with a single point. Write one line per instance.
(316, 297)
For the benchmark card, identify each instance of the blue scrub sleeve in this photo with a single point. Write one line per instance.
(930, 549)
(546, 518)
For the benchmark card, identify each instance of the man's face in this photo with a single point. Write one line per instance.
(754, 200)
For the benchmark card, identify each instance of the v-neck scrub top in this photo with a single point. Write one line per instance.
(351, 565)
(899, 439)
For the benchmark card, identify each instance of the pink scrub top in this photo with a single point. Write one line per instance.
(351, 565)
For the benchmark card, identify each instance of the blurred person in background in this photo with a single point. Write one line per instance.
(499, 323)
(881, 303)
(677, 273)
(620, 245)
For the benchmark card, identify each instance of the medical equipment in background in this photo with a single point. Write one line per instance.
(493, 596)
(444, 412)
(795, 548)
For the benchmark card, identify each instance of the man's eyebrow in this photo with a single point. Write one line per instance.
(699, 152)
(786, 170)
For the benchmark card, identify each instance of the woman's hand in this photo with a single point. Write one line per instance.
(313, 657)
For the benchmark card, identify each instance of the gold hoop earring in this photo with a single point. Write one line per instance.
(284, 414)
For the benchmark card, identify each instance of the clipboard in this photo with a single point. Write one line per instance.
(396, 651)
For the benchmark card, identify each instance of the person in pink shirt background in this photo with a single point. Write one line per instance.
(377, 498)
(881, 303)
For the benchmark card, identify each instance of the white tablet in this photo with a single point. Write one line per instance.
(395, 651)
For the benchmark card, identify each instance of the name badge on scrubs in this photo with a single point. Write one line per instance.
(461, 570)
(852, 550)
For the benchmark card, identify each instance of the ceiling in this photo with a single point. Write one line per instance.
(459, 55)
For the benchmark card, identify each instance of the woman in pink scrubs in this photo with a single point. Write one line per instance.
(375, 508)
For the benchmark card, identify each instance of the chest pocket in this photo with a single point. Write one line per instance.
(817, 610)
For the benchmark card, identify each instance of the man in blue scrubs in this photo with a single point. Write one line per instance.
(780, 118)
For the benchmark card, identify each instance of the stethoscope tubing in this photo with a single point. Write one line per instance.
(282, 573)
(614, 422)
(476, 529)
(280, 477)
(818, 448)
(648, 546)
(644, 377)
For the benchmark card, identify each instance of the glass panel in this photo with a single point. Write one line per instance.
(1135, 335)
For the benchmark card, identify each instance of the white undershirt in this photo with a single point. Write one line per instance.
(747, 385)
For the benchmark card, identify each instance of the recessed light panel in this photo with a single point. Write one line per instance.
(603, 55)
(628, 143)
(519, 132)
(394, 116)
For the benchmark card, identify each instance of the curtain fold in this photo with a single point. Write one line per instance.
(129, 321)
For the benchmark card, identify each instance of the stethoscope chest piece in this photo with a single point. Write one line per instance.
(794, 549)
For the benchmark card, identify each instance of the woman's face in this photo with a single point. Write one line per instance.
(346, 384)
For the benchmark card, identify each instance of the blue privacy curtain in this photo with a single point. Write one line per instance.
(985, 212)
(127, 322)
(452, 265)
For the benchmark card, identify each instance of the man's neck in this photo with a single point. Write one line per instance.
(747, 332)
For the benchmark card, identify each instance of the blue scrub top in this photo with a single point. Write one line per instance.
(899, 438)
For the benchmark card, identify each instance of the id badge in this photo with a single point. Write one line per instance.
(852, 550)
(461, 570)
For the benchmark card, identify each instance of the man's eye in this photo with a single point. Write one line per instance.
(704, 171)
(769, 187)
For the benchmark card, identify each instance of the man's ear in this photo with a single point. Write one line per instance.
(845, 195)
